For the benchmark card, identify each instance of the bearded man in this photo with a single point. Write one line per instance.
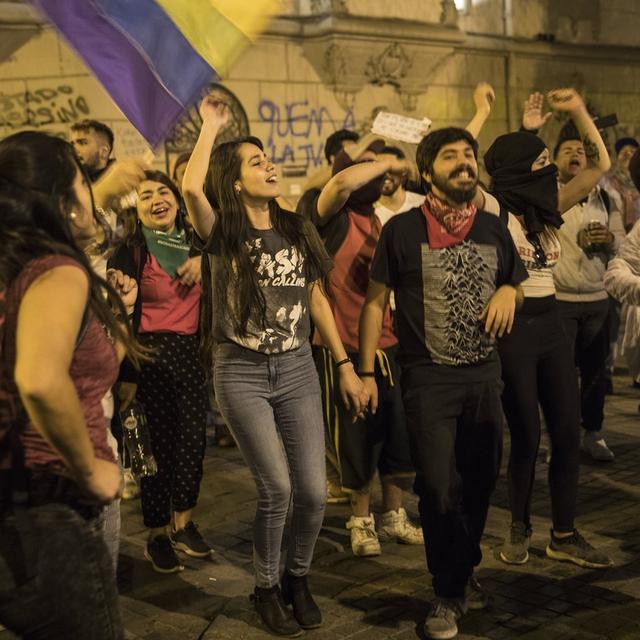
(455, 274)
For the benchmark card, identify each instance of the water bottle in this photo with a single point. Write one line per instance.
(138, 440)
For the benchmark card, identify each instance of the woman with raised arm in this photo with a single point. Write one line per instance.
(264, 278)
(537, 361)
(60, 351)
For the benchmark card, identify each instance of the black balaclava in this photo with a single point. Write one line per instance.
(532, 194)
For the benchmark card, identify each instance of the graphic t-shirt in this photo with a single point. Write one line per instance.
(440, 293)
(283, 275)
(540, 283)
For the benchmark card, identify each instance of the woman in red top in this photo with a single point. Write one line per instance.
(60, 350)
(172, 387)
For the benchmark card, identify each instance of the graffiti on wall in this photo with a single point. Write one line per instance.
(306, 124)
(42, 107)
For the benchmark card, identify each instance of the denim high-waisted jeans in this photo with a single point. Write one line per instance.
(56, 576)
(271, 404)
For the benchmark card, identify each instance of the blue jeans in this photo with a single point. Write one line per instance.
(56, 576)
(271, 404)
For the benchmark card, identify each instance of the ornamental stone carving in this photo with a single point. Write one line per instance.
(389, 67)
(346, 64)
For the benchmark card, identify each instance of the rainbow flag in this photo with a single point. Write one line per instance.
(155, 57)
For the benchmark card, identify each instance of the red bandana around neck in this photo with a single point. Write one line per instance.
(446, 225)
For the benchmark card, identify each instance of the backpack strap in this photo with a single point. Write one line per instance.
(606, 200)
(504, 214)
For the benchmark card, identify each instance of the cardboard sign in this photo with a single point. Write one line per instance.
(403, 128)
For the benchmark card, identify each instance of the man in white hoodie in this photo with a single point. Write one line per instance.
(590, 236)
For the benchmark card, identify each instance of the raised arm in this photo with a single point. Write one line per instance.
(532, 118)
(215, 116)
(598, 162)
(49, 320)
(343, 184)
(483, 97)
(118, 181)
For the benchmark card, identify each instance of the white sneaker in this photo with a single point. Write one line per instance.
(364, 539)
(130, 490)
(396, 526)
(594, 444)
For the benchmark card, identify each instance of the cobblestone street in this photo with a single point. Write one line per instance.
(386, 597)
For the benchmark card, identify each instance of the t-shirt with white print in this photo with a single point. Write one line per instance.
(540, 283)
(283, 275)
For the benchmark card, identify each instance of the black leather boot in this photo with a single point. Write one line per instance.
(295, 591)
(274, 613)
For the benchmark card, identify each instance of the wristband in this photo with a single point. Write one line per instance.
(366, 374)
(347, 360)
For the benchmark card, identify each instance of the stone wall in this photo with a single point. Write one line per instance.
(328, 64)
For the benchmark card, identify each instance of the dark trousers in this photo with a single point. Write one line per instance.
(538, 367)
(613, 330)
(455, 431)
(56, 577)
(378, 442)
(586, 326)
(172, 390)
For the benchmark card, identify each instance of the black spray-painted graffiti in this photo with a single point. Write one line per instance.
(298, 120)
(42, 107)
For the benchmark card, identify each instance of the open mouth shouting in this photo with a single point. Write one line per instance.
(463, 174)
(160, 211)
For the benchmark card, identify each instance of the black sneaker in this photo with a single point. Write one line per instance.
(475, 597)
(162, 556)
(191, 541)
(576, 549)
(442, 620)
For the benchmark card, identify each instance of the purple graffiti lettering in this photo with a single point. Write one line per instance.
(300, 120)
(313, 154)
(285, 155)
(269, 112)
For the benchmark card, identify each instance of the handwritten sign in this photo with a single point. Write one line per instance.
(403, 128)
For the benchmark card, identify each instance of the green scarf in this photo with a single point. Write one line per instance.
(169, 249)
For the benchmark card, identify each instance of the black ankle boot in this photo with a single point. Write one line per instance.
(273, 612)
(295, 591)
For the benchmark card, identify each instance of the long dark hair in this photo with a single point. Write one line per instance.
(237, 272)
(133, 235)
(37, 172)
